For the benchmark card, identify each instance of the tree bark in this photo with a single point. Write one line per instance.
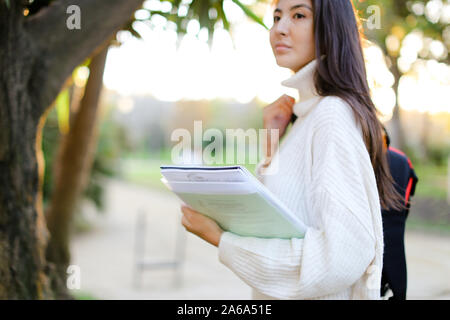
(37, 55)
(424, 137)
(22, 227)
(397, 136)
(72, 167)
(62, 49)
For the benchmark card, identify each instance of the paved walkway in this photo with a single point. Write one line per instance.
(105, 255)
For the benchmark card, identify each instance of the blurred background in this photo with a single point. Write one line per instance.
(180, 61)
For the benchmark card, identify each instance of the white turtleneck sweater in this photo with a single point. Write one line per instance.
(326, 178)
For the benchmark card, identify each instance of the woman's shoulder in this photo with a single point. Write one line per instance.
(334, 105)
(335, 111)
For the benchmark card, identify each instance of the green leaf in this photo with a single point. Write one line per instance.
(250, 13)
(8, 4)
(63, 111)
(161, 13)
(176, 3)
(135, 33)
(203, 15)
(221, 14)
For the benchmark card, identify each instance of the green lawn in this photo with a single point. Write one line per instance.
(143, 172)
(414, 224)
(143, 169)
(432, 181)
(82, 295)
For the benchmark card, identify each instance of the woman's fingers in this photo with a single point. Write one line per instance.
(283, 101)
(185, 219)
(276, 116)
(187, 210)
(289, 107)
(285, 105)
(290, 100)
(189, 214)
(185, 222)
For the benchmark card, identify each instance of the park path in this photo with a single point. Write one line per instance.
(105, 255)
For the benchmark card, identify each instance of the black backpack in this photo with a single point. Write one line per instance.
(394, 274)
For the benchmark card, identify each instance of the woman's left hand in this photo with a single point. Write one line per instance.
(201, 225)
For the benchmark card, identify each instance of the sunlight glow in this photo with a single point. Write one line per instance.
(246, 68)
(426, 90)
(380, 81)
(154, 66)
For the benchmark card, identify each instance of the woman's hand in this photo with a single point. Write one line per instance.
(201, 225)
(277, 115)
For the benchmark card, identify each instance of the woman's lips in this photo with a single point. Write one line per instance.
(282, 48)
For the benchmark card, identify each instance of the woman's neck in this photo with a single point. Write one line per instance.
(303, 81)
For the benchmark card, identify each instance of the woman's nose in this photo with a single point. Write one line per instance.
(282, 26)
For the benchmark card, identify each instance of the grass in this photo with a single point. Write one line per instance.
(432, 181)
(82, 295)
(143, 168)
(143, 172)
(415, 224)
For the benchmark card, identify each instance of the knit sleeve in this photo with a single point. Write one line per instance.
(333, 255)
(259, 168)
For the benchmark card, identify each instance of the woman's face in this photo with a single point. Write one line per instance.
(292, 33)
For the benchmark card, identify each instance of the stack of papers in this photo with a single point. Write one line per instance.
(235, 199)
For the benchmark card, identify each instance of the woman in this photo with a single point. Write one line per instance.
(332, 171)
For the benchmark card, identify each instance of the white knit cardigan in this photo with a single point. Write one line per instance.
(326, 178)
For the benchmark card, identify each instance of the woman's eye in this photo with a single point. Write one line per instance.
(297, 15)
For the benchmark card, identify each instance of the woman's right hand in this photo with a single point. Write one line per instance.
(277, 115)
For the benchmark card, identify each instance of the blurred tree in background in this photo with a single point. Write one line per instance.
(76, 154)
(38, 53)
(428, 20)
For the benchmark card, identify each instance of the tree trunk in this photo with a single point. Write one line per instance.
(22, 227)
(71, 171)
(397, 136)
(37, 55)
(424, 137)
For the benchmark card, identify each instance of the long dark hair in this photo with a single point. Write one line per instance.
(341, 72)
(338, 35)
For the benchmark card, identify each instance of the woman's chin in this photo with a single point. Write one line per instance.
(284, 63)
